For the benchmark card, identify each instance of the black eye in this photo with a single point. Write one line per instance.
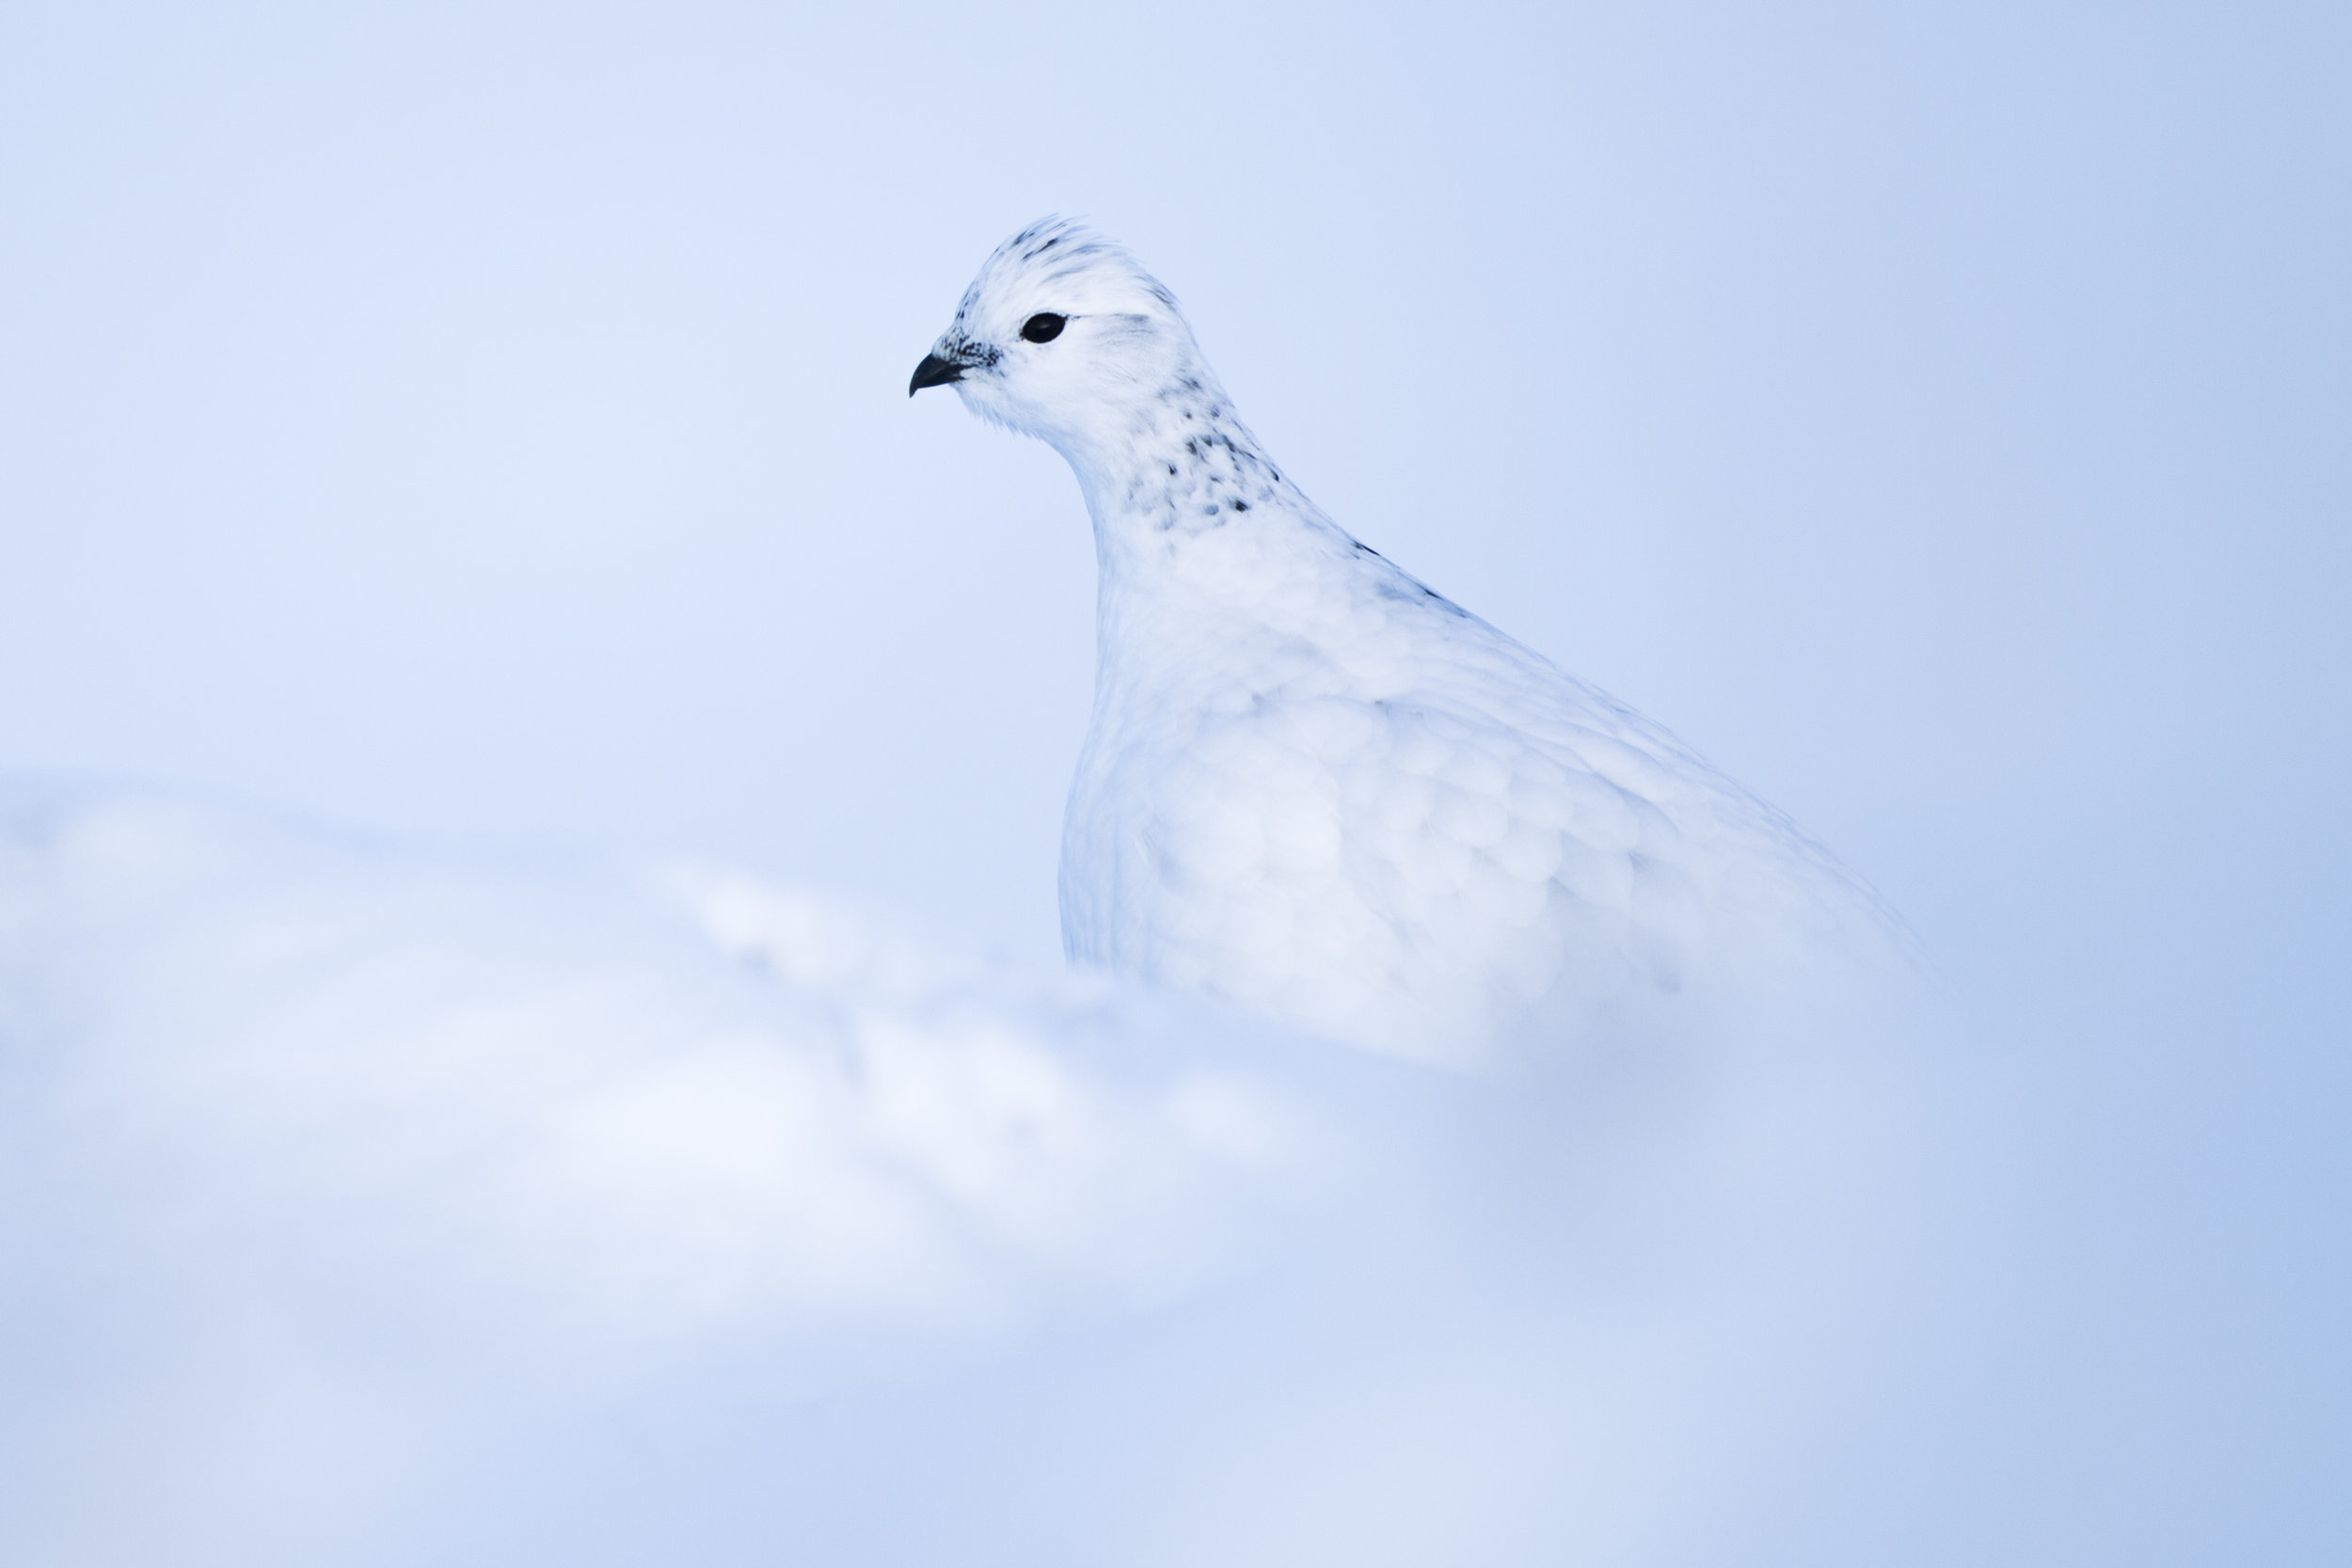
(1044, 328)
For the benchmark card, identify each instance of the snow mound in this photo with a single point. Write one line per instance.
(366, 1204)
(658, 1104)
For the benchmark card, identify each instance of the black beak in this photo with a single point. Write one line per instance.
(934, 372)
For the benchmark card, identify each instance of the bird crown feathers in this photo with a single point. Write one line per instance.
(1059, 264)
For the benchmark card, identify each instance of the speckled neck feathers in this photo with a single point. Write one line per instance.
(1189, 468)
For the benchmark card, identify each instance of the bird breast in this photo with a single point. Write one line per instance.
(1383, 863)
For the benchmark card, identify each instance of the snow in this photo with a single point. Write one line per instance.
(668, 1100)
(367, 1200)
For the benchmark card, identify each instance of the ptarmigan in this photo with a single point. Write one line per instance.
(1315, 788)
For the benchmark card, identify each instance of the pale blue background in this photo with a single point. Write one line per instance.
(488, 422)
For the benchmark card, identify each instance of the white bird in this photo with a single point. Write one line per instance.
(1313, 788)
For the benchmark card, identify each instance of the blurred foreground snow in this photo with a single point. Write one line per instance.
(365, 1204)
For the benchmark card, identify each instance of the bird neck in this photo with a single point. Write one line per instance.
(1179, 475)
(1210, 558)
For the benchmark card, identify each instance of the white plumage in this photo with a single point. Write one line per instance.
(1311, 785)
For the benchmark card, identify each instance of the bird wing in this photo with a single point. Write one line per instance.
(1435, 864)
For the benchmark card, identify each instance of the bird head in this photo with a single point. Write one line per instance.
(1064, 335)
